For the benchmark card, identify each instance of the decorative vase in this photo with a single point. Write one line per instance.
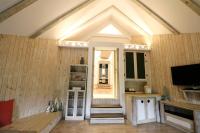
(82, 60)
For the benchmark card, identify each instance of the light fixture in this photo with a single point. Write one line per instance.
(137, 46)
(78, 44)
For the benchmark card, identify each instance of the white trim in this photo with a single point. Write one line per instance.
(121, 77)
(112, 36)
(91, 46)
(135, 65)
(83, 44)
(89, 82)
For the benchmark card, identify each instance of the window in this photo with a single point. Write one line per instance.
(135, 65)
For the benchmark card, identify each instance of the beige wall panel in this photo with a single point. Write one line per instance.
(67, 56)
(27, 73)
(173, 50)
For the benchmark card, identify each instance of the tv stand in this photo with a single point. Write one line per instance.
(183, 116)
(192, 88)
(188, 91)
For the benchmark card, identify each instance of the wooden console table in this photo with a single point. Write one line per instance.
(178, 118)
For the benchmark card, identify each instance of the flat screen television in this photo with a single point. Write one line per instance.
(187, 75)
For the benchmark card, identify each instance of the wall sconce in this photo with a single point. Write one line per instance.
(78, 44)
(137, 47)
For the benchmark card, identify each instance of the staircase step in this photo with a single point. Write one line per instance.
(107, 115)
(106, 110)
(102, 118)
(106, 106)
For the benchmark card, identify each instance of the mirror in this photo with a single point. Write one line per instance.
(103, 73)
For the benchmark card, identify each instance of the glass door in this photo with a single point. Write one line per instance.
(80, 103)
(70, 108)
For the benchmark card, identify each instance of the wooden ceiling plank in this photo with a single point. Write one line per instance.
(156, 16)
(60, 18)
(15, 9)
(192, 5)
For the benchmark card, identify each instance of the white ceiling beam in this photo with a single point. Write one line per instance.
(15, 9)
(61, 18)
(156, 16)
(192, 5)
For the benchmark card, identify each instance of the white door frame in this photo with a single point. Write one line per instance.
(121, 86)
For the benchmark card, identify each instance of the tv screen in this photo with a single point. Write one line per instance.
(188, 75)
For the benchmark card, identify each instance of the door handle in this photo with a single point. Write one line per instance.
(148, 101)
(142, 101)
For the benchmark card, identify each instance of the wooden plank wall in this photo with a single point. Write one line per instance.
(34, 71)
(67, 56)
(173, 50)
(27, 73)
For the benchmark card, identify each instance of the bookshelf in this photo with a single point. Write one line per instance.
(75, 105)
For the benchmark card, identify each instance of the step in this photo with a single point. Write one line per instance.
(106, 106)
(107, 115)
(102, 118)
(106, 109)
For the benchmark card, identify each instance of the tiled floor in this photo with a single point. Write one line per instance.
(85, 127)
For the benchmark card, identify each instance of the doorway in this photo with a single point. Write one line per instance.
(105, 79)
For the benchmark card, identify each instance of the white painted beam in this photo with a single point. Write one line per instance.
(192, 5)
(15, 9)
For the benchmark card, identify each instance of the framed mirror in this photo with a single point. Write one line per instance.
(103, 73)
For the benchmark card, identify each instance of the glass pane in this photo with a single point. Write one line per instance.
(79, 112)
(70, 104)
(140, 66)
(80, 103)
(70, 112)
(130, 65)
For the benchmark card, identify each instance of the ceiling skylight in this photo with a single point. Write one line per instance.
(111, 30)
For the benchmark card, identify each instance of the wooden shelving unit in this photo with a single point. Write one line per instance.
(75, 105)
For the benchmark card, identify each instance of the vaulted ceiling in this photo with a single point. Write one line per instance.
(81, 19)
